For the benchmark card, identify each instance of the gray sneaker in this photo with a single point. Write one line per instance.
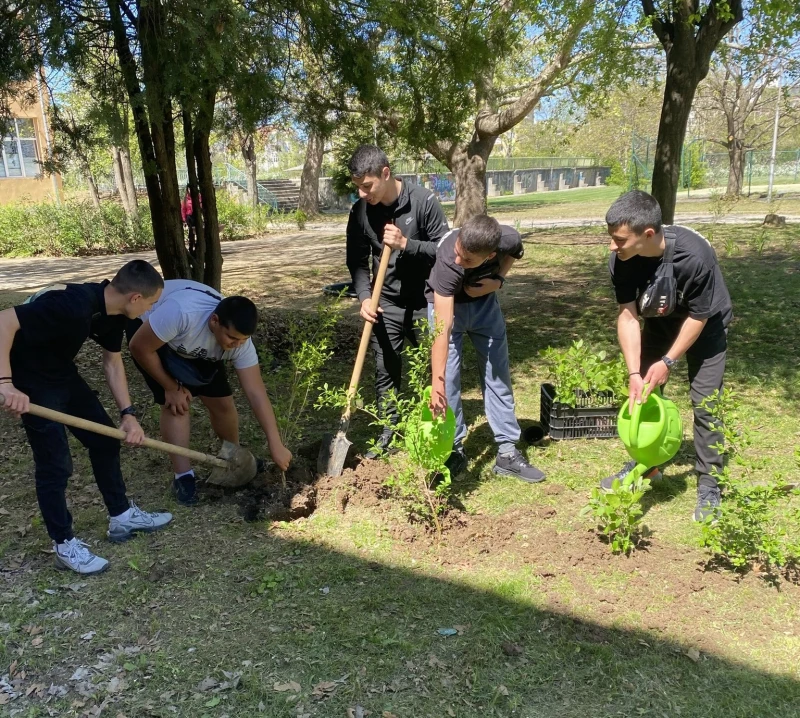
(709, 501)
(607, 484)
(514, 464)
(76, 556)
(121, 529)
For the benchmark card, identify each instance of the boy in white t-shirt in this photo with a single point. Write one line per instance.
(181, 346)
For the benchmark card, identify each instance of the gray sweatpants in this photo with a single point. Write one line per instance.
(482, 321)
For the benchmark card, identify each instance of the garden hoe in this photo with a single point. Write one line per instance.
(333, 451)
(239, 470)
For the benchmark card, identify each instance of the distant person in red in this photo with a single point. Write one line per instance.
(187, 215)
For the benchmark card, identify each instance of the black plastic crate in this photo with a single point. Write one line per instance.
(561, 421)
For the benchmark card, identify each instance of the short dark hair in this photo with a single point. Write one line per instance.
(636, 210)
(368, 160)
(138, 276)
(239, 313)
(480, 235)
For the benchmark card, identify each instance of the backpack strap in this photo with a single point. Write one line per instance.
(669, 251)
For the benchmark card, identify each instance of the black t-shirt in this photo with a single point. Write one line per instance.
(54, 327)
(701, 290)
(448, 279)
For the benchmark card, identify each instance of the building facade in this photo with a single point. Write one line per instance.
(24, 146)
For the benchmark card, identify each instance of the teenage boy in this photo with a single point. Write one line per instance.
(181, 346)
(38, 344)
(471, 266)
(409, 219)
(689, 319)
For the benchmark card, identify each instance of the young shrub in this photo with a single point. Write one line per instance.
(750, 527)
(420, 479)
(618, 513)
(580, 372)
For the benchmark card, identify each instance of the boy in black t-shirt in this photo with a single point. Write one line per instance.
(697, 327)
(38, 344)
(471, 265)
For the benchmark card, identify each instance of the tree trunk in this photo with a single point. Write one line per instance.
(164, 209)
(130, 185)
(196, 261)
(212, 256)
(677, 105)
(251, 169)
(119, 181)
(468, 164)
(309, 181)
(736, 153)
(93, 193)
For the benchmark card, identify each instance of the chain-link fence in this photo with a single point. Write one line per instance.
(702, 169)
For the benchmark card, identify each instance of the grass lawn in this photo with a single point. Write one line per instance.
(338, 614)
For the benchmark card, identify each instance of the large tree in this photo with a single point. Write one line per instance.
(457, 77)
(759, 56)
(689, 31)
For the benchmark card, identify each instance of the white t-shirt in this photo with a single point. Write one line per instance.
(180, 319)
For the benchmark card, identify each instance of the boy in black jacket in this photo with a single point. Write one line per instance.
(409, 219)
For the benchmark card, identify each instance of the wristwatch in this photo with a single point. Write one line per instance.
(128, 411)
(669, 362)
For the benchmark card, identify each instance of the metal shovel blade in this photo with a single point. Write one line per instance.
(333, 453)
(240, 471)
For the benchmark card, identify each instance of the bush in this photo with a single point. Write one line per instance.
(237, 221)
(74, 228)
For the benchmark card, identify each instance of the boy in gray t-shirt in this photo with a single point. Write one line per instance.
(181, 347)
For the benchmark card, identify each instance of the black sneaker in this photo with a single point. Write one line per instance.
(514, 464)
(185, 489)
(709, 501)
(381, 447)
(456, 463)
(607, 484)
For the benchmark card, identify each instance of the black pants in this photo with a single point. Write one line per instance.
(394, 327)
(51, 456)
(706, 368)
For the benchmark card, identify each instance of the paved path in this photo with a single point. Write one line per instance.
(242, 259)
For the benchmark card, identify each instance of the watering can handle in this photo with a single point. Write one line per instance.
(636, 417)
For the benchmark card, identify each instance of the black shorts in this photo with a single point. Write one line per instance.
(217, 388)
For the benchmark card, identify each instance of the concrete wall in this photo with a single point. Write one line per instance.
(498, 183)
(14, 189)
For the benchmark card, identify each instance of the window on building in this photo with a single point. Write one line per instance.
(19, 156)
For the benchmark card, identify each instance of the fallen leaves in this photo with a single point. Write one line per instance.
(290, 686)
(693, 654)
(324, 689)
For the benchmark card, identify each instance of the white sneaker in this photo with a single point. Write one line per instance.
(76, 556)
(134, 520)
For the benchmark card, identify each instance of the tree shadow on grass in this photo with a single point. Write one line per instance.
(353, 631)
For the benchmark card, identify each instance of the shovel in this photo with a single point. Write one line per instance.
(238, 470)
(333, 451)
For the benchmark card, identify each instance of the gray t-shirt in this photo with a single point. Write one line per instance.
(180, 319)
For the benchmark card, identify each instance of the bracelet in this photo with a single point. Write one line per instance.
(634, 373)
(5, 377)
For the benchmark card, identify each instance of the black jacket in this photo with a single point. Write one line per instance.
(420, 218)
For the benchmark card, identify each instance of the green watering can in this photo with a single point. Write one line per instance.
(653, 433)
(430, 434)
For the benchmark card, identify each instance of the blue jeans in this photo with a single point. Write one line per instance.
(51, 455)
(482, 321)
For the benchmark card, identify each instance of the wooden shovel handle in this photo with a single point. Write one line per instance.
(367, 331)
(78, 423)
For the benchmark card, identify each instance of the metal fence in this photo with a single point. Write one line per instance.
(704, 169)
(431, 166)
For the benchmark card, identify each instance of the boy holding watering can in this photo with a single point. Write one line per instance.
(670, 276)
(471, 265)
